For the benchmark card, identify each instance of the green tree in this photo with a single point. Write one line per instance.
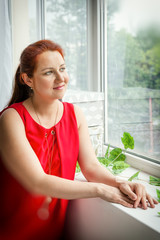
(149, 40)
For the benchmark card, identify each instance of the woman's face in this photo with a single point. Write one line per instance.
(50, 78)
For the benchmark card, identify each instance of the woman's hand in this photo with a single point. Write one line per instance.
(114, 195)
(137, 193)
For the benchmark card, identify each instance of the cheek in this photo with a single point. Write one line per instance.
(45, 83)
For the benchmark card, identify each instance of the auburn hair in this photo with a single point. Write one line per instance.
(28, 61)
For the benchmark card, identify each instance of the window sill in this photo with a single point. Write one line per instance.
(143, 165)
(96, 219)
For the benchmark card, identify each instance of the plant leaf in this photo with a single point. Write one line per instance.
(103, 161)
(116, 155)
(107, 152)
(158, 194)
(100, 158)
(134, 176)
(119, 167)
(154, 181)
(115, 152)
(159, 213)
(127, 140)
(78, 169)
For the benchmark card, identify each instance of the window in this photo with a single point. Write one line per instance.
(133, 74)
(33, 15)
(66, 24)
(73, 24)
(129, 67)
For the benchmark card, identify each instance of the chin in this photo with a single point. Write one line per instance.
(60, 95)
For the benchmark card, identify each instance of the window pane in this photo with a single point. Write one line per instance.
(133, 72)
(33, 24)
(66, 25)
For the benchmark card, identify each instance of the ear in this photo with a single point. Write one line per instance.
(28, 81)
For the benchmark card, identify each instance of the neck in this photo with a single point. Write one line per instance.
(46, 114)
(45, 108)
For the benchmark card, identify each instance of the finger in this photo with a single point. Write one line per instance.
(155, 201)
(151, 201)
(125, 203)
(140, 205)
(128, 191)
(137, 202)
(128, 200)
(144, 203)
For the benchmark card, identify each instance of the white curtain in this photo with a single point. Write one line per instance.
(5, 54)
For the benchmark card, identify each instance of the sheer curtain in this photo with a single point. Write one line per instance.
(5, 54)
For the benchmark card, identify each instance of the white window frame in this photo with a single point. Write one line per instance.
(94, 45)
(41, 18)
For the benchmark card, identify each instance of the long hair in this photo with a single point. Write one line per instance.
(28, 60)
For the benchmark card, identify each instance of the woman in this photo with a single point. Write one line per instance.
(40, 142)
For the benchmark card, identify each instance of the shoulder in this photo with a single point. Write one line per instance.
(11, 126)
(10, 117)
(78, 110)
(80, 118)
(79, 115)
(73, 107)
(9, 113)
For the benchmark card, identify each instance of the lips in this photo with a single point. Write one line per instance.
(59, 87)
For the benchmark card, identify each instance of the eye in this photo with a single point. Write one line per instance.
(48, 73)
(62, 69)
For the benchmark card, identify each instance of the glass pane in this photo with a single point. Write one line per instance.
(66, 25)
(33, 24)
(133, 72)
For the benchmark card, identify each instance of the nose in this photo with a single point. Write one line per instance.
(59, 77)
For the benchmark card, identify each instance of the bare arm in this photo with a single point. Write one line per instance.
(90, 166)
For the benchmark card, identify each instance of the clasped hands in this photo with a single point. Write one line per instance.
(137, 195)
(128, 194)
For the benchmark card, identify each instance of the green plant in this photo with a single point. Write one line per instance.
(77, 168)
(115, 159)
(158, 194)
(134, 176)
(154, 181)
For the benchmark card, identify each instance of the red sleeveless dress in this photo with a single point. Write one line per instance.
(18, 208)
